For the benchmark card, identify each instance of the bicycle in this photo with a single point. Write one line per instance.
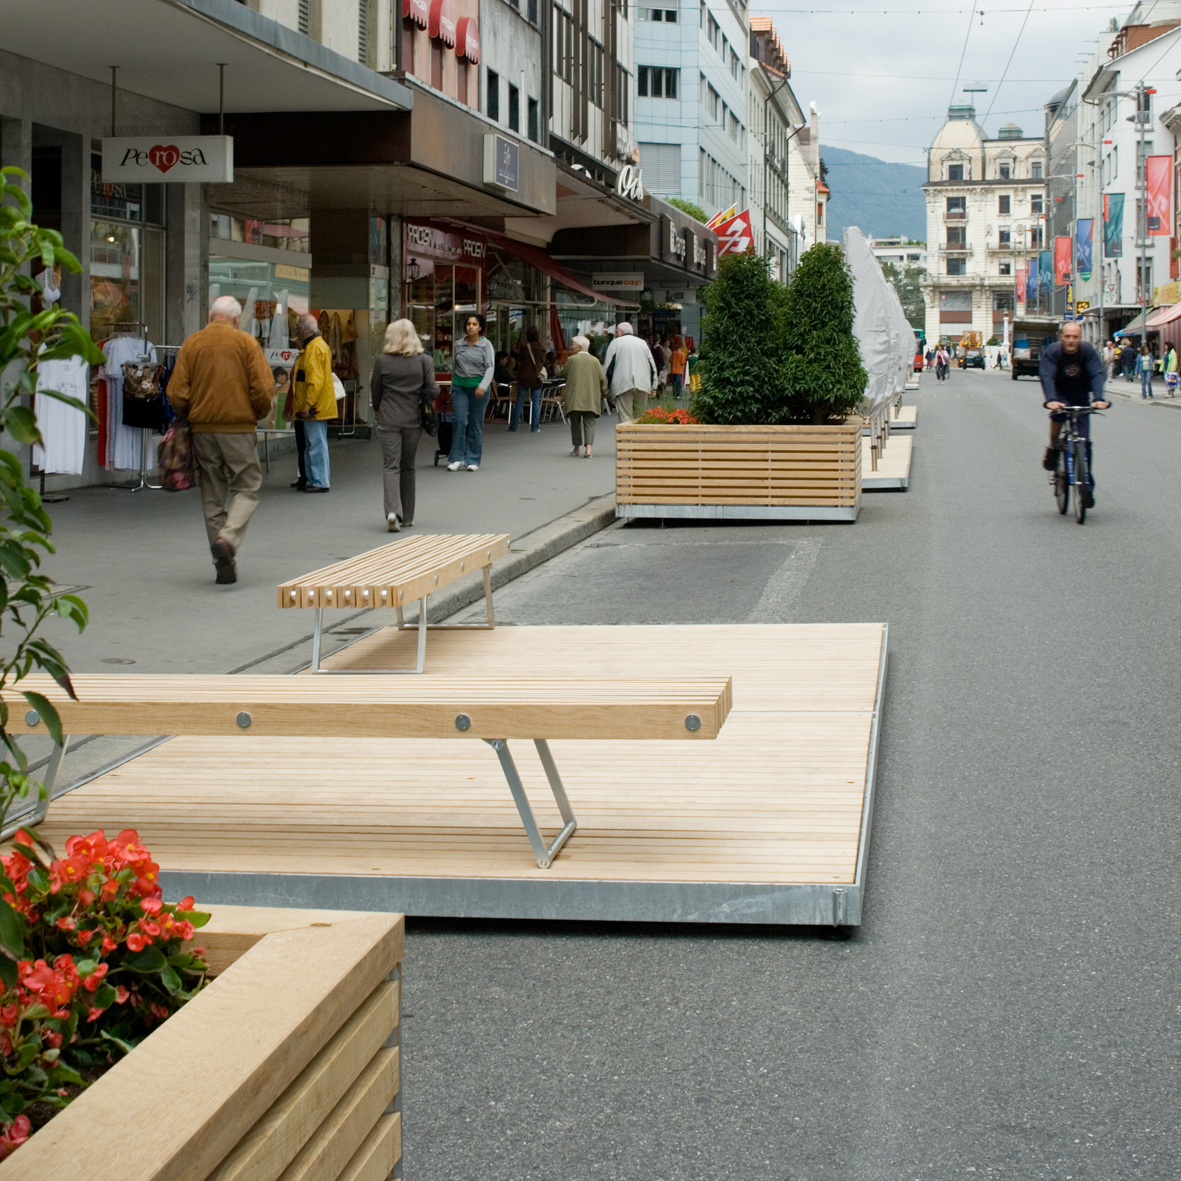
(1071, 467)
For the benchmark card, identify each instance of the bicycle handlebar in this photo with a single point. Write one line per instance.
(1069, 408)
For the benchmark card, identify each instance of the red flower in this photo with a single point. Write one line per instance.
(9, 1015)
(94, 979)
(66, 924)
(158, 1010)
(121, 994)
(187, 903)
(152, 905)
(93, 1014)
(147, 928)
(136, 942)
(15, 1135)
(52, 1039)
(108, 944)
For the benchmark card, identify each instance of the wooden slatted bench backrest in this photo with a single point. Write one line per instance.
(395, 574)
(380, 706)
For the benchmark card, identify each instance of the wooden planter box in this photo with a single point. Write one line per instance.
(286, 1066)
(739, 472)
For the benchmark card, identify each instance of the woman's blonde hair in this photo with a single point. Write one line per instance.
(401, 338)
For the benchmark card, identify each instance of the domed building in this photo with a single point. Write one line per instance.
(985, 220)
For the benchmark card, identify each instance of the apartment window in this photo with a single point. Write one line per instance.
(735, 128)
(701, 15)
(532, 129)
(734, 65)
(461, 81)
(1004, 204)
(1002, 301)
(956, 208)
(514, 108)
(437, 62)
(1004, 239)
(1142, 150)
(493, 96)
(1035, 202)
(712, 31)
(657, 82)
(532, 11)
(819, 212)
(623, 92)
(1035, 238)
(955, 172)
(408, 27)
(1005, 268)
(1035, 170)
(955, 237)
(723, 47)
(563, 44)
(305, 16)
(662, 167)
(666, 15)
(363, 32)
(594, 73)
(1004, 171)
(957, 266)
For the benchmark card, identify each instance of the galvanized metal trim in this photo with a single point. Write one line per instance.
(807, 904)
(743, 512)
(871, 776)
(885, 483)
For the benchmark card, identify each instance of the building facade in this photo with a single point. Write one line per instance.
(985, 221)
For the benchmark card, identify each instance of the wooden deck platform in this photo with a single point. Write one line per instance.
(893, 474)
(907, 420)
(769, 823)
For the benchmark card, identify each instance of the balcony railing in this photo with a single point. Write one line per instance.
(955, 215)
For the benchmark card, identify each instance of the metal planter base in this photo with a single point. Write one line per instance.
(872, 482)
(742, 512)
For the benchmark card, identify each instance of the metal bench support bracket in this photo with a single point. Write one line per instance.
(545, 854)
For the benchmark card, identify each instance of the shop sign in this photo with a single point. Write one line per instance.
(611, 283)
(699, 252)
(180, 159)
(502, 162)
(441, 22)
(435, 242)
(467, 39)
(672, 241)
(630, 182)
(418, 11)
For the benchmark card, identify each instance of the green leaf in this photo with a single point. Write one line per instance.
(21, 424)
(12, 935)
(8, 972)
(151, 959)
(170, 980)
(105, 997)
(122, 1043)
(48, 713)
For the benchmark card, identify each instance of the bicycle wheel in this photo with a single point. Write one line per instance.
(1080, 481)
(1061, 483)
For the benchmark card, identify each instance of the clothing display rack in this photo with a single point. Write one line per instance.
(144, 466)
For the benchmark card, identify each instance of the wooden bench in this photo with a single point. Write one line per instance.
(395, 575)
(376, 706)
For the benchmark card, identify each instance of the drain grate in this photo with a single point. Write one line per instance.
(117, 660)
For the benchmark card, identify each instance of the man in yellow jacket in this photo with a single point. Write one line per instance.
(313, 400)
(223, 385)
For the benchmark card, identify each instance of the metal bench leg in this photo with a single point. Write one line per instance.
(51, 774)
(545, 854)
(488, 595)
(422, 626)
(316, 640)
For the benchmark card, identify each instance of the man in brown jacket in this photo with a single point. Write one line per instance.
(223, 385)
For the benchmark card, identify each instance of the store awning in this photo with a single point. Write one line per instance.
(539, 260)
(169, 49)
(1163, 316)
(1135, 326)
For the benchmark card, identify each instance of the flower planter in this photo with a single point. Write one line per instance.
(286, 1065)
(739, 472)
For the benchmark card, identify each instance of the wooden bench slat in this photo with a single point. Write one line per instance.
(375, 705)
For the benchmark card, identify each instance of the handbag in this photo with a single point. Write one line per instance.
(177, 464)
(141, 382)
(428, 415)
(542, 372)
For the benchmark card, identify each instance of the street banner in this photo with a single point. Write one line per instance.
(1159, 182)
(1070, 314)
(1082, 234)
(721, 216)
(1113, 225)
(1062, 267)
(1045, 273)
(735, 236)
(1031, 282)
(1020, 284)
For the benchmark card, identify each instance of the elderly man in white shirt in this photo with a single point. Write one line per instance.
(631, 372)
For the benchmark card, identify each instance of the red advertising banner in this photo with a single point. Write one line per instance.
(735, 236)
(1020, 284)
(1062, 262)
(1160, 184)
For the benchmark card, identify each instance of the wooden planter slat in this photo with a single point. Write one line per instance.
(711, 466)
(193, 1092)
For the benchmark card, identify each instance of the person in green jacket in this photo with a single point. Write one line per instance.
(586, 387)
(1171, 375)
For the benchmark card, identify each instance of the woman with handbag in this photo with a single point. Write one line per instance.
(531, 375)
(403, 384)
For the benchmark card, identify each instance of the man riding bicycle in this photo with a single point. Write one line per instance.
(1071, 372)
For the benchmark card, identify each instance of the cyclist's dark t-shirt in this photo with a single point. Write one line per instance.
(1071, 379)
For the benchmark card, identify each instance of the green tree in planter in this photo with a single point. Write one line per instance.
(822, 370)
(741, 351)
(27, 597)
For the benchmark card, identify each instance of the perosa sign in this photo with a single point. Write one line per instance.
(201, 159)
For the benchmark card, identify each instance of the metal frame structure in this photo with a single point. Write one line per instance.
(743, 512)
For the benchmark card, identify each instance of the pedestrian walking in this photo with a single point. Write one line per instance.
(1144, 369)
(313, 401)
(631, 372)
(677, 361)
(1128, 361)
(403, 378)
(223, 385)
(530, 366)
(1171, 375)
(1108, 356)
(471, 379)
(586, 387)
(942, 364)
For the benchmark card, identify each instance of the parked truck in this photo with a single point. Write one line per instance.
(1027, 353)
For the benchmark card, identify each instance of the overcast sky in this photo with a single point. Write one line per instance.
(883, 82)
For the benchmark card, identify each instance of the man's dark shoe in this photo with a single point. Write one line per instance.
(1050, 459)
(314, 488)
(1089, 499)
(300, 484)
(223, 561)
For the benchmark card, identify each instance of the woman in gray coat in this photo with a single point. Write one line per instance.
(402, 377)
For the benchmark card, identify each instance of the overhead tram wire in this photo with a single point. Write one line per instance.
(929, 12)
(1005, 73)
(963, 54)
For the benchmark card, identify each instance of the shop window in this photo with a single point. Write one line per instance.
(408, 27)
(532, 128)
(461, 81)
(439, 298)
(514, 108)
(1004, 204)
(437, 63)
(494, 96)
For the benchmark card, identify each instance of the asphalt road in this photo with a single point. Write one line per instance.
(1010, 1006)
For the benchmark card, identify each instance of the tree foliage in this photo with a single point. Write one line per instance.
(689, 208)
(823, 374)
(28, 597)
(741, 348)
(908, 284)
